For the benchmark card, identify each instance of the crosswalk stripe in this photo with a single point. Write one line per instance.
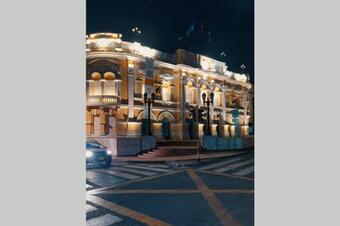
(119, 174)
(140, 172)
(233, 166)
(90, 208)
(156, 165)
(103, 220)
(220, 164)
(245, 171)
(149, 168)
(101, 179)
(88, 186)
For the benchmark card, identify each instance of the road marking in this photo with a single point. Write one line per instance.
(99, 190)
(245, 171)
(100, 179)
(118, 174)
(103, 220)
(126, 212)
(88, 186)
(140, 172)
(174, 191)
(90, 208)
(233, 191)
(156, 165)
(226, 175)
(220, 164)
(151, 191)
(148, 168)
(233, 166)
(221, 213)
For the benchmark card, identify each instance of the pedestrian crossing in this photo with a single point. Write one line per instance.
(238, 166)
(123, 172)
(102, 219)
(88, 187)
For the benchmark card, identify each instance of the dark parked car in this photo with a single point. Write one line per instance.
(97, 153)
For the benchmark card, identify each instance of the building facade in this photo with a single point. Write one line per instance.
(119, 73)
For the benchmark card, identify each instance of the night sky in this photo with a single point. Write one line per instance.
(220, 29)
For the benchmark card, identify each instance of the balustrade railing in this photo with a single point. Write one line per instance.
(102, 99)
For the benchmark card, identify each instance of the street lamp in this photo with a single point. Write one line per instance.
(207, 101)
(149, 101)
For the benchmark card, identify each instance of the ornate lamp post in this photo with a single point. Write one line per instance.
(208, 101)
(149, 101)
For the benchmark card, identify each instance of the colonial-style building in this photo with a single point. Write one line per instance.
(119, 73)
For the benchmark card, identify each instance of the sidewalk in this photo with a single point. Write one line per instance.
(205, 155)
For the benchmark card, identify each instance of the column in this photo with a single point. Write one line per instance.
(131, 89)
(96, 125)
(224, 114)
(112, 123)
(245, 114)
(211, 110)
(182, 104)
(198, 103)
(198, 95)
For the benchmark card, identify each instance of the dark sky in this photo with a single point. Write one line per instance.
(165, 25)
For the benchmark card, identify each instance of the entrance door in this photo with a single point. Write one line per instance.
(166, 133)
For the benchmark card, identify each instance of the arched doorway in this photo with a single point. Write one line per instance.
(166, 118)
(166, 131)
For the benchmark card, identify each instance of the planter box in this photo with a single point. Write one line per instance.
(223, 143)
(209, 142)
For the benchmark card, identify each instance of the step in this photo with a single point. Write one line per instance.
(143, 156)
(177, 147)
(148, 154)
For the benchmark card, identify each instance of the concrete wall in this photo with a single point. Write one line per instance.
(127, 146)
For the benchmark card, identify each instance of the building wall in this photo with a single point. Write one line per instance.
(116, 84)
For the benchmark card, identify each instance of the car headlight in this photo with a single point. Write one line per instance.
(109, 152)
(89, 154)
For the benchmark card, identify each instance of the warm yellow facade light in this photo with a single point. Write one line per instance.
(143, 50)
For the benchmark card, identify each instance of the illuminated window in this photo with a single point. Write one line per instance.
(188, 95)
(166, 91)
(218, 99)
(109, 87)
(95, 88)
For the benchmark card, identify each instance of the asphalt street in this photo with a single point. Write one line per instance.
(212, 192)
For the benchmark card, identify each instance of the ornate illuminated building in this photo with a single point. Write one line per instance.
(119, 73)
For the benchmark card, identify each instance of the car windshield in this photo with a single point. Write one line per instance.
(93, 145)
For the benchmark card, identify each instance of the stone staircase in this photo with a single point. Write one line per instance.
(171, 148)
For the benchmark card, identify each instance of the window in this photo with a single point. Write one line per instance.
(188, 95)
(95, 88)
(166, 91)
(109, 87)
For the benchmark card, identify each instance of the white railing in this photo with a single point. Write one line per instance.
(101, 99)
